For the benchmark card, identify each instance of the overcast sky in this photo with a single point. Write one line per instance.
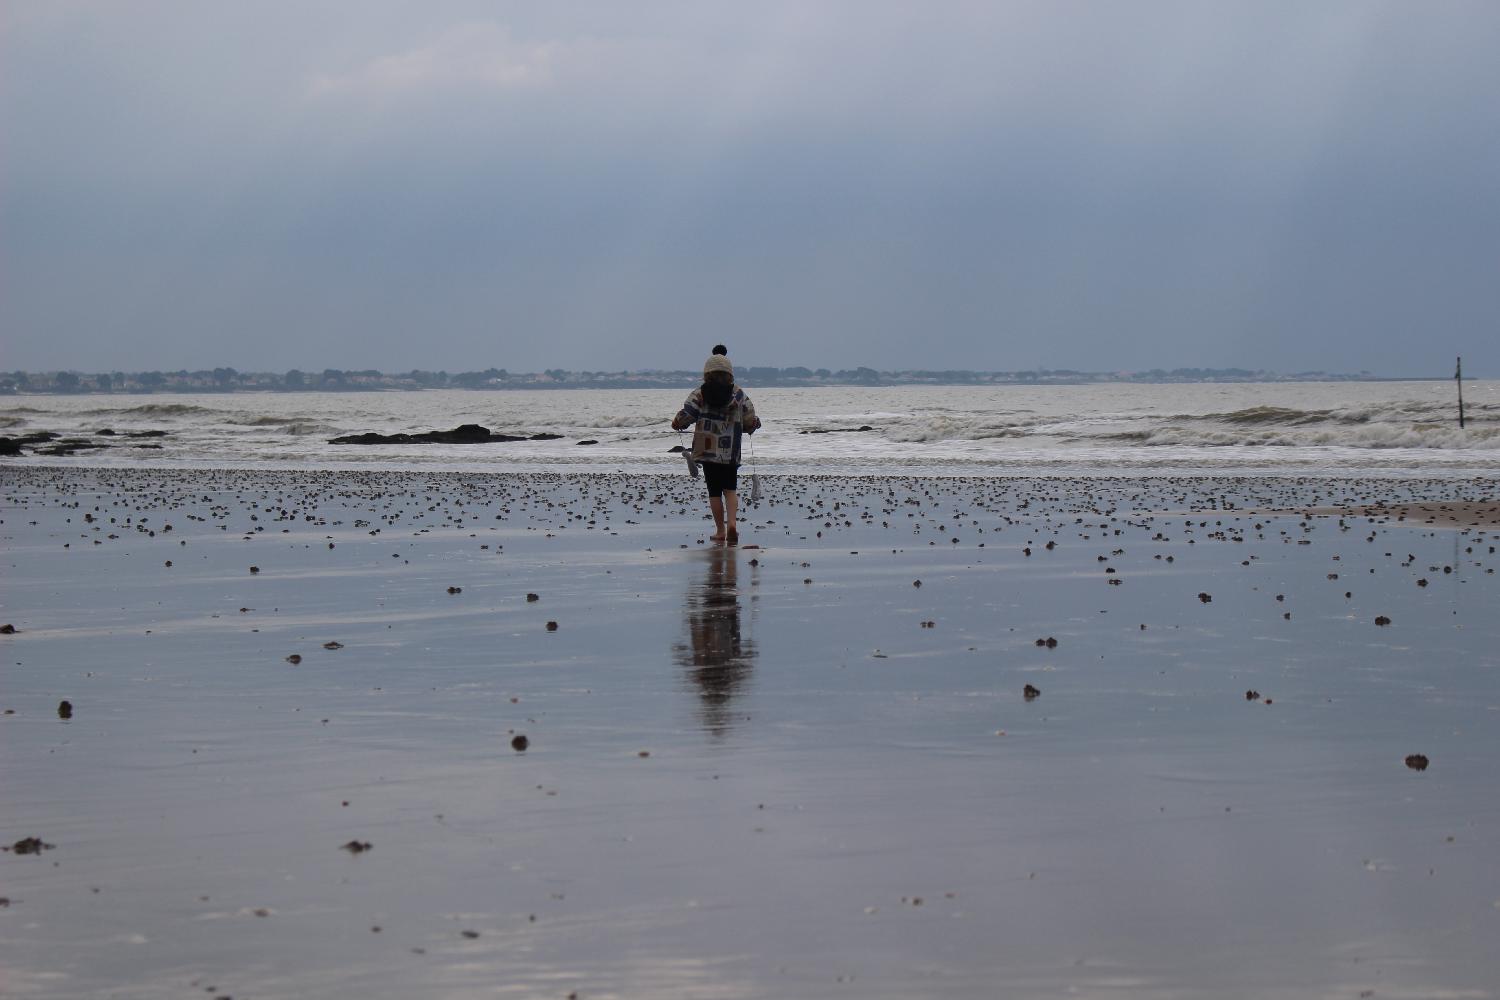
(616, 185)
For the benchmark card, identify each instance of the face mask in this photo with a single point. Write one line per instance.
(717, 394)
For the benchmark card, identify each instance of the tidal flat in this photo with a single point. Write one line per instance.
(913, 737)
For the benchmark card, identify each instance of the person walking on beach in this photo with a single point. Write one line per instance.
(720, 412)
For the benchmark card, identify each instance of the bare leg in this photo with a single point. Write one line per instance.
(716, 504)
(731, 512)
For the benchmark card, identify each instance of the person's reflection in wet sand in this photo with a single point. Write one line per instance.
(718, 657)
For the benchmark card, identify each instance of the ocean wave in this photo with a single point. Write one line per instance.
(268, 421)
(1353, 426)
(1403, 411)
(1270, 415)
(1261, 426)
(149, 410)
(1371, 436)
(630, 420)
(919, 430)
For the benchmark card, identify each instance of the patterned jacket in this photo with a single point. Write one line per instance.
(716, 433)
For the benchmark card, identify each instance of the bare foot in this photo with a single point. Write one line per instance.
(716, 538)
(732, 537)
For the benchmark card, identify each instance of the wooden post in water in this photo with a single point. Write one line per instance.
(1458, 376)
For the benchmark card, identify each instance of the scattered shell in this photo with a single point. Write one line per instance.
(1417, 761)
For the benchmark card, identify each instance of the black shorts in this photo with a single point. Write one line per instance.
(720, 477)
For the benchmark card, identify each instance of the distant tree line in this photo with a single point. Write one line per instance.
(370, 380)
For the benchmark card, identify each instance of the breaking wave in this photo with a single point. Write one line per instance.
(270, 421)
(1373, 436)
(1374, 426)
(628, 420)
(149, 410)
(1256, 415)
(1284, 415)
(1402, 424)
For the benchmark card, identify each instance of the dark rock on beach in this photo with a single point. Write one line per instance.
(462, 434)
(30, 845)
(57, 445)
(13, 446)
(70, 446)
(1417, 761)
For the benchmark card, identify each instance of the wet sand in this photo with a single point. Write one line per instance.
(1469, 514)
(291, 764)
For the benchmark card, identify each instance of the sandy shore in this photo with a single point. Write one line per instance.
(1457, 513)
(912, 738)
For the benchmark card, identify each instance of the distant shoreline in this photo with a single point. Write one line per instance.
(229, 381)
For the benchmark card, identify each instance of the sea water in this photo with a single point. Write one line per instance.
(1360, 428)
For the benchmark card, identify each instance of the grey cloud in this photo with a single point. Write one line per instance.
(981, 185)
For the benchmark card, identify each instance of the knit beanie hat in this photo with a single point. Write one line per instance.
(718, 363)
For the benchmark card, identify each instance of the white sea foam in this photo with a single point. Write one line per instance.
(1369, 426)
